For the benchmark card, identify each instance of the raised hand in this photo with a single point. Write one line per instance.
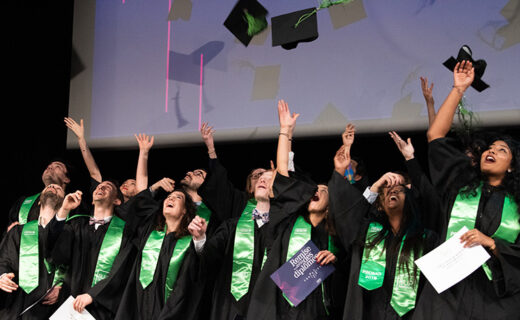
(287, 120)
(406, 147)
(427, 91)
(206, 132)
(197, 228)
(166, 184)
(145, 142)
(78, 129)
(71, 202)
(341, 160)
(325, 257)
(348, 135)
(7, 284)
(463, 75)
(81, 302)
(389, 180)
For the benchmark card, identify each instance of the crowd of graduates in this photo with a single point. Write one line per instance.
(203, 249)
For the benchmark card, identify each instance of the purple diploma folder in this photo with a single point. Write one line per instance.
(301, 274)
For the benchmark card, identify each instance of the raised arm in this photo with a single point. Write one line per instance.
(428, 97)
(463, 75)
(206, 131)
(79, 131)
(287, 124)
(406, 147)
(141, 177)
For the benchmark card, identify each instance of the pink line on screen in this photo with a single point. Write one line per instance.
(200, 90)
(167, 60)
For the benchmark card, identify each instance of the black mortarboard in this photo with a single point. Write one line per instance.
(292, 28)
(479, 65)
(246, 20)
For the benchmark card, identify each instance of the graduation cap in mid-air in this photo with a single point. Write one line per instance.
(292, 28)
(479, 65)
(247, 19)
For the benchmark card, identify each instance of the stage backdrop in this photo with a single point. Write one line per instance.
(163, 66)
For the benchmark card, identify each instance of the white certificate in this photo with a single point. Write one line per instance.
(66, 311)
(450, 262)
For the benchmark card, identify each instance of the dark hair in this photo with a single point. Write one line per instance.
(511, 181)
(410, 227)
(191, 211)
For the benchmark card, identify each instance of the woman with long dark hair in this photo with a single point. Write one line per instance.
(384, 239)
(480, 191)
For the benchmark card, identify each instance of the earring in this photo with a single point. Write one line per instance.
(509, 170)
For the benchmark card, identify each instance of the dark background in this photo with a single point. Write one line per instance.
(38, 44)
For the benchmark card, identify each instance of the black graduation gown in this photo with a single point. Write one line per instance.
(475, 297)
(139, 303)
(267, 301)
(352, 215)
(78, 248)
(12, 304)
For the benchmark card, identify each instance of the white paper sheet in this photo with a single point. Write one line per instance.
(66, 312)
(450, 262)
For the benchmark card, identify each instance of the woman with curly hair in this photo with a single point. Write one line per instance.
(482, 196)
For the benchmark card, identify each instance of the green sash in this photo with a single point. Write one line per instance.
(204, 212)
(372, 273)
(464, 213)
(175, 264)
(26, 206)
(150, 256)
(109, 249)
(29, 257)
(300, 235)
(243, 252)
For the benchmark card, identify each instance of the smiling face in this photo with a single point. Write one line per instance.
(496, 160)
(320, 200)
(262, 186)
(393, 198)
(128, 188)
(194, 179)
(106, 193)
(174, 205)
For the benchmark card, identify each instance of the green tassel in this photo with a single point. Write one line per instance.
(254, 25)
(323, 5)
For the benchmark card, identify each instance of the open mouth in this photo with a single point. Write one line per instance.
(393, 198)
(490, 159)
(315, 198)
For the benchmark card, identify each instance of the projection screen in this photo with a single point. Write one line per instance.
(162, 67)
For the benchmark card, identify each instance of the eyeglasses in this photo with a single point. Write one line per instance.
(257, 175)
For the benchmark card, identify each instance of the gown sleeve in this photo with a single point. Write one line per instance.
(348, 209)
(220, 195)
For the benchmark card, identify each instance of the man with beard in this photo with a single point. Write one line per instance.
(25, 273)
(25, 209)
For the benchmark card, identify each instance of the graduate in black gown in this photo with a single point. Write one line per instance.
(486, 182)
(384, 240)
(26, 208)
(99, 250)
(21, 282)
(234, 258)
(162, 259)
(302, 205)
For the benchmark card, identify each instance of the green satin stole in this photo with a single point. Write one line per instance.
(372, 272)
(109, 249)
(150, 257)
(464, 213)
(29, 257)
(204, 212)
(243, 252)
(300, 235)
(26, 206)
